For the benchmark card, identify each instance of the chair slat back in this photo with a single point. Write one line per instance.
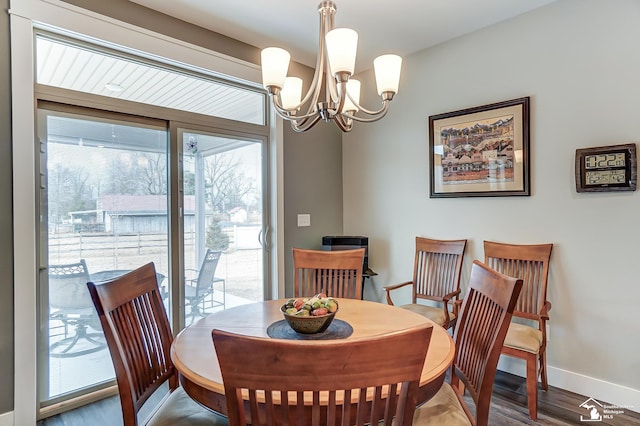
(138, 334)
(480, 332)
(528, 262)
(335, 273)
(274, 381)
(437, 268)
(207, 271)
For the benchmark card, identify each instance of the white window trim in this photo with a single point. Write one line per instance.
(26, 15)
(55, 14)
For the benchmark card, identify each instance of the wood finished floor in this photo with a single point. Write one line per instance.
(508, 407)
(555, 407)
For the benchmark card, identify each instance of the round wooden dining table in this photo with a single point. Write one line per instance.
(194, 356)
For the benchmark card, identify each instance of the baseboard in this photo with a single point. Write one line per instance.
(621, 396)
(6, 419)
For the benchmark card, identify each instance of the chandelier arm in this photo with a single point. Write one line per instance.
(332, 89)
(385, 106)
(331, 85)
(375, 116)
(314, 88)
(327, 24)
(344, 122)
(339, 100)
(313, 94)
(305, 125)
(287, 114)
(343, 98)
(305, 122)
(315, 91)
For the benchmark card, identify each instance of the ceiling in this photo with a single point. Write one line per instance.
(399, 26)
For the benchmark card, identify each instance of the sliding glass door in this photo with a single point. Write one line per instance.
(105, 197)
(103, 212)
(141, 161)
(224, 224)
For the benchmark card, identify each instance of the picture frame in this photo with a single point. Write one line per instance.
(481, 151)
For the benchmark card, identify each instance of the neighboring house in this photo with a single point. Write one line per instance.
(125, 214)
(238, 215)
(132, 213)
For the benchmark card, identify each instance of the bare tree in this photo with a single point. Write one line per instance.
(122, 176)
(226, 186)
(137, 174)
(154, 173)
(69, 190)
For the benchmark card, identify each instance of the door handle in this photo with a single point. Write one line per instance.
(267, 238)
(263, 238)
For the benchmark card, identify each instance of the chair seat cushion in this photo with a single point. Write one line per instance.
(524, 338)
(434, 313)
(443, 409)
(179, 409)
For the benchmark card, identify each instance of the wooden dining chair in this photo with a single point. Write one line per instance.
(139, 338)
(479, 334)
(436, 278)
(335, 273)
(526, 341)
(274, 381)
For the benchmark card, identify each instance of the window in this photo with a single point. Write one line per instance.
(76, 66)
(108, 196)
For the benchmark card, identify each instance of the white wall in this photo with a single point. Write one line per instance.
(579, 61)
(6, 419)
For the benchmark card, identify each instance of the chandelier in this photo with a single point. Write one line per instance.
(335, 64)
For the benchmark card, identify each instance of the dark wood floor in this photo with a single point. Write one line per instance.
(555, 407)
(508, 407)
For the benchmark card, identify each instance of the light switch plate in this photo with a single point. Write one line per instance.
(304, 220)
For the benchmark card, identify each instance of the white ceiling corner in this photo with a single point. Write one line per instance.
(403, 27)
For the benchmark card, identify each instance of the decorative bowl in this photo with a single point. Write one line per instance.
(308, 324)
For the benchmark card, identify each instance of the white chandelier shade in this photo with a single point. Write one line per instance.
(335, 64)
(291, 92)
(275, 64)
(387, 70)
(353, 90)
(342, 46)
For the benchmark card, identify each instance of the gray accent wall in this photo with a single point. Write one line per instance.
(6, 218)
(312, 185)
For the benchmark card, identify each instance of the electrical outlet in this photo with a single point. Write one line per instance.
(304, 220)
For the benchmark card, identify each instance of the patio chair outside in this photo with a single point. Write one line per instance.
(197, 290)
(70, 303)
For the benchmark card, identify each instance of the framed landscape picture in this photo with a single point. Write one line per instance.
(481, 151)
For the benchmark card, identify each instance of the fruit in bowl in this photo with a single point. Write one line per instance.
(310, 315)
